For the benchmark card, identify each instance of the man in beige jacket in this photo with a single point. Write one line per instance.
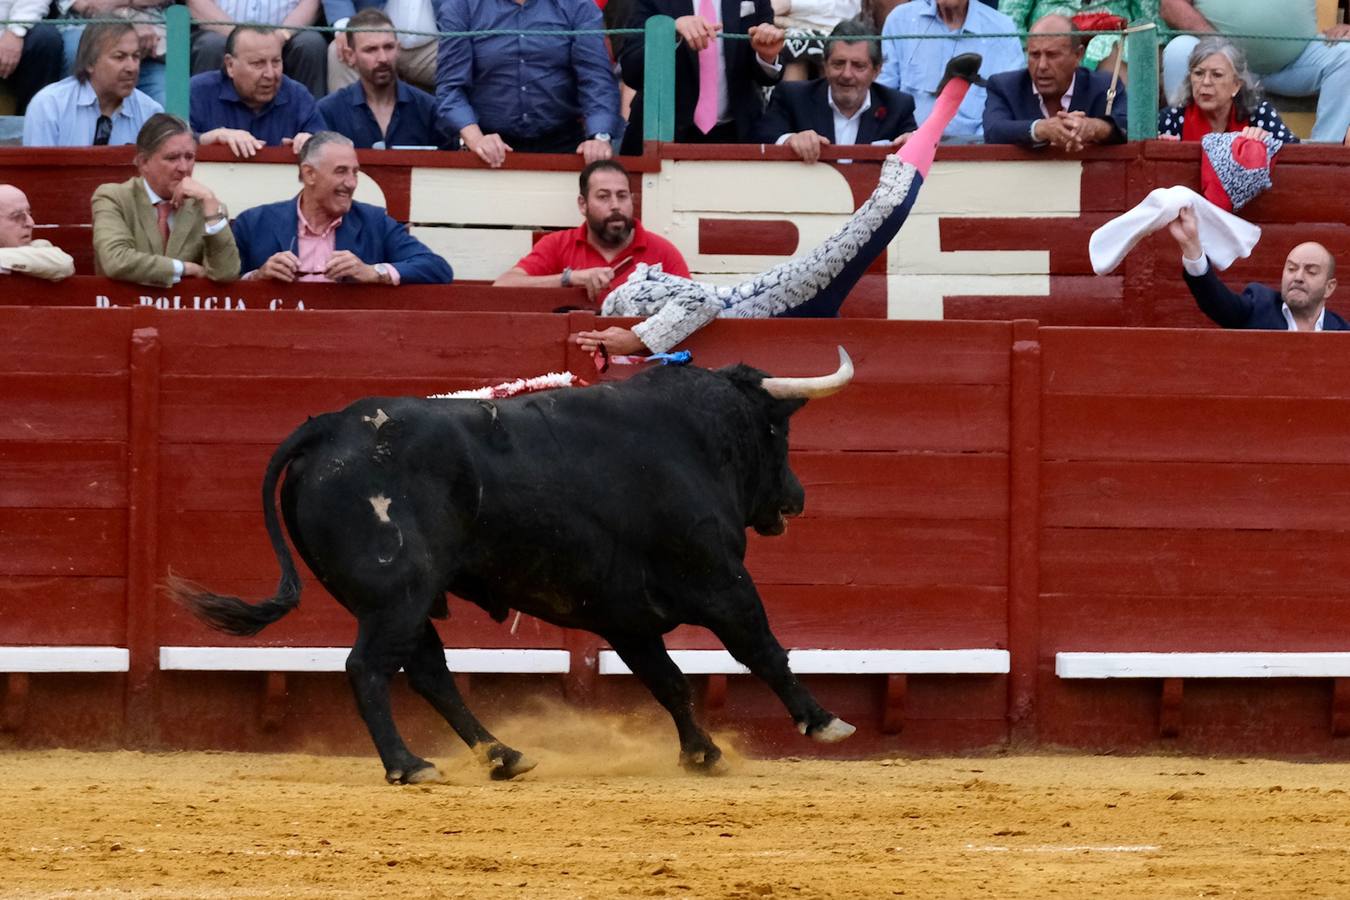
(19, 253)
(163, 226)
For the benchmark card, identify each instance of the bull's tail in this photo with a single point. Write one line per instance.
(231, 614)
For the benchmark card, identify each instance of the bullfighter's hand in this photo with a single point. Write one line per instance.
(618, 341)
(281, 266)
(696, 31)
(767, 40)
(807, 144)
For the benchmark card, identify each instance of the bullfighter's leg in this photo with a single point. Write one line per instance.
(383, 646)
(816, 283)
(646, 655)
(740, 624)
(430, 677)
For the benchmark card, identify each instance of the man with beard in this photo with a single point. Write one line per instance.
(250, 104)
(380, 110)
(1300, 305)
(323, 235)
(844, 107)
(19, 253)
(601, 249)
(99, 105)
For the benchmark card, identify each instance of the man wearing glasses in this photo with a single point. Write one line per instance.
(19, 253)
(324, 235)
(98, 105)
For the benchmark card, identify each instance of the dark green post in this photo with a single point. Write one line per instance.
(179, 25)
(658, 80)
(1141, 52)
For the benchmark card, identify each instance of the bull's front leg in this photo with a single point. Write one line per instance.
(646, 655)
(737, 618)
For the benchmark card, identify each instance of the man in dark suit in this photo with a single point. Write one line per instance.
(844, 107)
(1055, 101)
(741, 67)
(323, 235)
(1300, 305)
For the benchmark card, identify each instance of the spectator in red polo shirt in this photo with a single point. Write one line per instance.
(600, 252)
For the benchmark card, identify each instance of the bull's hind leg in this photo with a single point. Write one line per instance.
(430, 677)
(382, 648)
(738, 620)
(647, 657)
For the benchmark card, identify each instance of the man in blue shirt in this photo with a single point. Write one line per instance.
(251, 104)
(915, 65)
(380, 110)
(99, 104)
(534, 93)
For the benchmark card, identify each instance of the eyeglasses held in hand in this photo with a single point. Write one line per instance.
(295, 249)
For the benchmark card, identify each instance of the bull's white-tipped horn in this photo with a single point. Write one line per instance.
(810, 388)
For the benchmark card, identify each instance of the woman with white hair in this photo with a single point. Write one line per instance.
(1220, 94)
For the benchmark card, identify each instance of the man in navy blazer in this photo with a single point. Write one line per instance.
(323, 235)
(847, 106)
(1054, 101)
(745, 66)
(1309, 278)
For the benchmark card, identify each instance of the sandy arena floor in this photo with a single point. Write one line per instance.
(609, 814)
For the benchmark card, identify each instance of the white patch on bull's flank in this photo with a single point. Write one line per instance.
(381, 504)
(377, 420)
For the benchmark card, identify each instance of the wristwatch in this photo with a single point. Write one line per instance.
(382, 270)
(17, 30)
(566, 279)
(602, 136)
(221, 213)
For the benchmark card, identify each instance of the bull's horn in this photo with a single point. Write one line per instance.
(809, 388)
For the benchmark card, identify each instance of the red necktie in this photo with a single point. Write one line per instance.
(162, 220)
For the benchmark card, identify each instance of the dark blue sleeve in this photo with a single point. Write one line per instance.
(907, 122)
(777, 119)
(244, 227)
(597, 89)
(1219, 303)
(1119, 114)
(415, 261)
(454, 66)
(1000, 124)
(309, 117)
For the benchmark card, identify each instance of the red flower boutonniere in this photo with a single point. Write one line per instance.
(881, 113)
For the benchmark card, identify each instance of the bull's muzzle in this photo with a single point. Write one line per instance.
(811, 387)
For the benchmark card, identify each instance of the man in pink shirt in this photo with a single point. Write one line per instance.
(325, 235)
(599, 253)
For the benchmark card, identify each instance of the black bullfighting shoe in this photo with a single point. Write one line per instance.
(965, 66)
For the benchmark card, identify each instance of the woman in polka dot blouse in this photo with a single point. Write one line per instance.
(1220, 94)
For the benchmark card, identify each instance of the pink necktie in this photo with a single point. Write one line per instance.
(162, 220)
(705, 112)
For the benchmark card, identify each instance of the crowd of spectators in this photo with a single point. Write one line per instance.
(263, 75)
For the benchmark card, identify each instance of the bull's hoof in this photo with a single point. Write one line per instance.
(419, 774)
(834, 732)
(704, 762)
(510, 764)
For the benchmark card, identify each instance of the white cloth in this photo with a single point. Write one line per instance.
(412, 15)
(1224, 236)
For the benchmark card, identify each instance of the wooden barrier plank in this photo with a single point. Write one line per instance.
(1212, 363)
(63, 542)
(1064, 239)
(46, 408)
(1228, 620)
(1185, 562)
(939, 417)
(882, 352)
(213, 546)
(41, 609)
(1127, 494)
(88, 344)
(1197, 429)
(389, 343)
(900, 485)
(81, 474)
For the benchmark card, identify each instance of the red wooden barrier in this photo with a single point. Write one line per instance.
(980, 485)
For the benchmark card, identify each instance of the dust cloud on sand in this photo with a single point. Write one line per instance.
(611, 814)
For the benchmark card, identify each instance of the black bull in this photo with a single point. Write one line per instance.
(620, 509)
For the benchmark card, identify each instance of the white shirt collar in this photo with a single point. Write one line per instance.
(1293, 326)
(1064, 102)
(866, 105)
(155, 199)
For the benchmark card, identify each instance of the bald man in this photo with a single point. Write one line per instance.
(1309, 278)
(1054, 102)
(19, 253)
